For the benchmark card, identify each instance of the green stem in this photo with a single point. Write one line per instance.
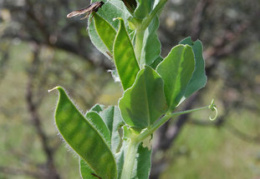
(164, 119)
(139, 44)
(151, 16)
(142, 26)
(129, 160)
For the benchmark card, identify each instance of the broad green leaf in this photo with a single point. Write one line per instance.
(199, 78)
(110, 10)
(97, 108)
(84, 138)
(156, 62)
(114, 121)
(113, 9)
(99, 124)
(151, 45)
(110, 125)
(124, 56)
(85, 171)
(144, 102)
(143, 163)
(108, 117)
(176, 71)
(96, 40)
(143, 9)
(105, 31)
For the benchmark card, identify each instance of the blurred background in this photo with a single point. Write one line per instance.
(40, 49)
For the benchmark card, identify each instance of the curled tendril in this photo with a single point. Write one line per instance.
(213, 108)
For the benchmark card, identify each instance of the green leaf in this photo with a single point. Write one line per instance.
(85, 171)
(108, 117)
(199, 78)
(144, 102)
(176, 71)
(114, 121)
(110, 10)
(144, 7)
(97, 108)
(120, 158)
(113, 9)
(99, 124)
(84, 138)
(143, 163)
(124, 56)
(105, 31)
(96, 40)
(151, 45)
(156, 62)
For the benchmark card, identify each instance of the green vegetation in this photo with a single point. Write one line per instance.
(40, 49)
(114, 142)
(200, 152)
(18, 135)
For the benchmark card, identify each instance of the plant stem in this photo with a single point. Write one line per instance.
(129, 160)
(142, 26)
(151, 16)
(164, 119)
(139, 43)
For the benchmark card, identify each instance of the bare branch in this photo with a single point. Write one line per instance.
(229, 127)
(197, 20)
(245, 137)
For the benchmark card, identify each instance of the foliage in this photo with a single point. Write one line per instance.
(231, 54)
(114, 142)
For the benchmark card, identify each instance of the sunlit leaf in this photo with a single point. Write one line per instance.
(124, 57)
(199, 78)
(176, 71)
(142, 163)
(144, 7)
(109, 11)
(114, 122)
(105, 31)
(151, 45)
(85, 171)
(84, 138)
(144, 102)
(99, 124)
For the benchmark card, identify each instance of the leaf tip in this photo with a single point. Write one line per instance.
(50, 90)
(55, 88)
